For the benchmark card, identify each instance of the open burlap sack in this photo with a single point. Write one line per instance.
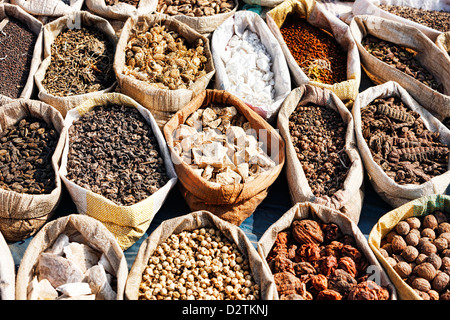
(127, 223)
(195, 220)
(163, 103)
(431, 58)
(416, 208)
(35, 26)
(370, 7)
(79, 228)
(51, 8)
(318, 17)
(348, 199)
(237, 24)
(233, 202)
(7, 272)
(51, 31)
(22, 214)
(120, 10)
(308, 210)
(390, 191)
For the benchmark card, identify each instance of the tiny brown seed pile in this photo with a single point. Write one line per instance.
(438, 20)
(113, 152)
(400, 143)
(418, 248)
(312, 260)
(402, 59)
(81, 62)
(318, 137)
(114, 2)
(194, 8)
(26, 150)
(16, 52)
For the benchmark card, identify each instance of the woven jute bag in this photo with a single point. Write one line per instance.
(189, 222)
(7, 272)
(22, 214)
(233, 202)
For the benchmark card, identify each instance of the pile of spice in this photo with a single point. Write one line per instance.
(402, 59)
(400, 143)
(438, 20)
(312, 260)
(114, 152)
(163, 58)
(316, 51)
(26, 150)
(81, 62)
(201, 264)
(16, 52)
(114, 2)
(318, 136)
(194, 8)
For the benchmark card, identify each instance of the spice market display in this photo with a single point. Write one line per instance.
(120, 153)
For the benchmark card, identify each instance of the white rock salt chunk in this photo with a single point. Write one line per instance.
(104, 262)
(74, 289)
(98, 282)
(41, 290)
(82, 255)
(58, 270)
(60, 242)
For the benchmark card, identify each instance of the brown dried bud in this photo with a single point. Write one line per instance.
(333, 249)
(425, 270)
(329, 295)
(307, 231)
(331, 232)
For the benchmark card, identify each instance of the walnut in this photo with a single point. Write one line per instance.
(329, 294)
(421, 284)
(414, 222)
(430, 221)
(440, 243)
(443, 227)
(307, 231)
(398, 244)
(433, 295)
(319, 282)
(428, 248)
(304, 268)
(368, 290)
(445, 263)
(388, 248)
(348, 264)
(416, 232)
(286, 283)
(402, 228)
(428, 233)
(440, 281)
(412, 239)
(309, 252)
(435, 260)
(446, 236)
(383, 252)
(423, 295)
(421, 258)
(425, 270)
(282, 264)
(391, 261)
(390, 235)
(445, 295)
(331, 232)
(327, 265)
(403, 269)
(410, 253)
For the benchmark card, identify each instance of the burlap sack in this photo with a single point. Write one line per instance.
(319, 212)
(35, 26)
(195, 220)
(93, 233)
(22, 214)
(121, 10)
(390, 191)
(127, 223)
(51, 31)
(348, 199)
(51, 8)
(431, 58)
(234, 202)
(370, 7)
(161, 102)
(7, 272)
(443, 42)
(416, 208)
(238, 24)
(318, 17)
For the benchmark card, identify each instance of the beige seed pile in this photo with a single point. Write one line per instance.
(198, 265)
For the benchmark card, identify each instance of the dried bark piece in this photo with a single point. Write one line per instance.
(307, 231)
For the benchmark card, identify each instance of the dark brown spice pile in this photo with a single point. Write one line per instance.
(26, 149)
(16, 52)
(114, 2)
(438, 20)
(113, 152)
(318, 54)
(318, 136)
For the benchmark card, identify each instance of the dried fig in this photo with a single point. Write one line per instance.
(348, 264)
(329, 295)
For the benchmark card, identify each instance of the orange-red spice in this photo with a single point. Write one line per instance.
(316, 51)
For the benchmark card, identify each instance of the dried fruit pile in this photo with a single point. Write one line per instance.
(418, 248)
(81, 62)
(318, 136)
(400, 143)
(314, 261)
(218, 143)
(402, 59)
(163, 58)
(198, 265)
(194, 8)
(16, 52)
(26, 151)
(113, 152)
(318, 54)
